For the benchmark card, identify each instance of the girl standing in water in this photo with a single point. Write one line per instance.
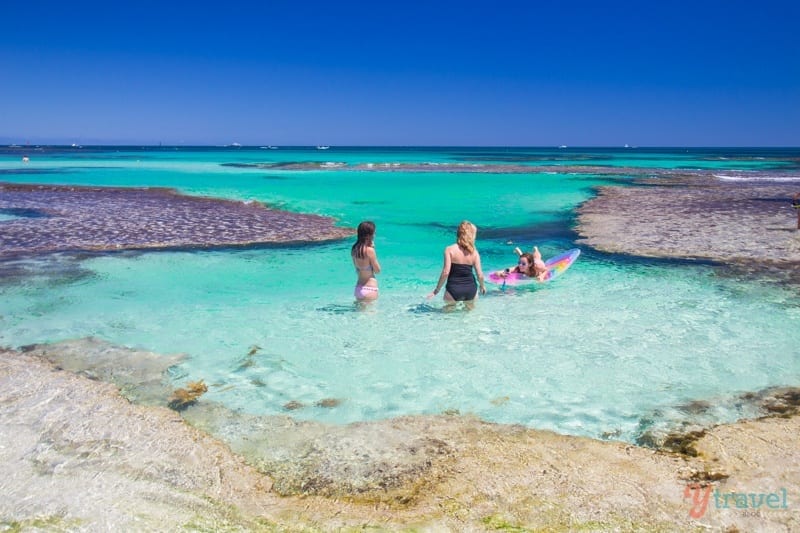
(366, 262)
(459, 261)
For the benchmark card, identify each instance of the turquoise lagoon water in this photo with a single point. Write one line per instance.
(602, 351)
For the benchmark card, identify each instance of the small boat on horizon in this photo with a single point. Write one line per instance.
(323, 147)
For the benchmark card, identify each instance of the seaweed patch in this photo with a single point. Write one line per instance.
(183, 398)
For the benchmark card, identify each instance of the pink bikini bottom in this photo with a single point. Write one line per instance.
(363, 292)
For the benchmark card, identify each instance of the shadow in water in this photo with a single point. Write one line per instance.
(339, 309)
(424, 308)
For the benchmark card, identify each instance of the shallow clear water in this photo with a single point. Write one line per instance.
(591, 353)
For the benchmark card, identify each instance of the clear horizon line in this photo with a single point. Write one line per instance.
(348, 146)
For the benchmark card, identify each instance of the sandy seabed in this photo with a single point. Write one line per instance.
(88, 444)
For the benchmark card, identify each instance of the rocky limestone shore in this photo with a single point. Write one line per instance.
(77, 455)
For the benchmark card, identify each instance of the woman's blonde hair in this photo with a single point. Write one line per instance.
(466, 236)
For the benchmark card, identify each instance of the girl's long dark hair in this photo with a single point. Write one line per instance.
(531, 272)
(366, 232)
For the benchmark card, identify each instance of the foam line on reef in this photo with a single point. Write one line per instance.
(777, 173)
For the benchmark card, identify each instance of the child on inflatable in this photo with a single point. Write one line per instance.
(529, 264)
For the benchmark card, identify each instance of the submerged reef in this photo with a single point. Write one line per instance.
(749, 226)
(73, 448)
(70, 218)
(487, 168)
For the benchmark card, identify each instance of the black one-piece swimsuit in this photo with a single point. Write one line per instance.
(461, 283)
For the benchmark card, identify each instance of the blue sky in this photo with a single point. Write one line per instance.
(513, 73)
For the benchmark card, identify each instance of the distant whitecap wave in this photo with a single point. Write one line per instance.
(756, 177)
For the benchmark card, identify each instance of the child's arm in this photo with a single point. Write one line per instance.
(505, 272)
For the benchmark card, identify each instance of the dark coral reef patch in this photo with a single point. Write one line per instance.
(112, 218)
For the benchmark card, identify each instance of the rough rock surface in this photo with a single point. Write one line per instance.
(75, 455)
(53, 218)
(748, 225)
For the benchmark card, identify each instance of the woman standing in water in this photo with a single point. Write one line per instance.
(366, 262)
(459, 260)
